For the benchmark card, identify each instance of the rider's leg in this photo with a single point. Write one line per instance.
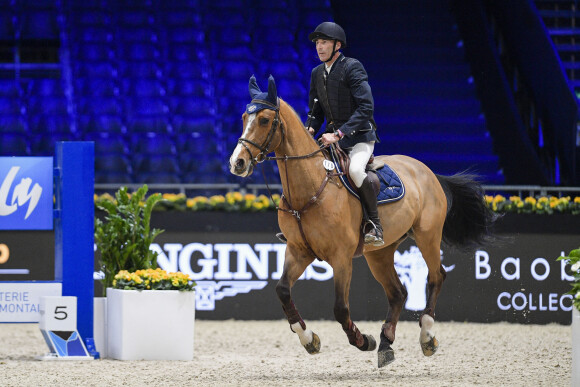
(359, 157)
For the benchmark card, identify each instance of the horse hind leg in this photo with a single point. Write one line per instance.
(431, 254)
(292, 270)
(381, 263)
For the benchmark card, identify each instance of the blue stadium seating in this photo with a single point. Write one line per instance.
(144, 165)
(13, 124)
(202, 124)
(190, 87)
(7, 30)
(97, 106)
(152, 144)
(52, 125)
(39, 24)
(114, 163)
(159, 86)
(107, 143)
(9, 106)
(14, 144)
(9, 88)
(101, 123)
(97, 87)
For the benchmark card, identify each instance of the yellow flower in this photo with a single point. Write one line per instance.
(577, 199)
(217, 199)
(232, 197)
(200, 199)
(530, 200)
(515, 199)
(264, 199)
(488, 199)
(498, 198)
(543, 199)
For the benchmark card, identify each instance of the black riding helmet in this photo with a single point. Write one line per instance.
(329, 31)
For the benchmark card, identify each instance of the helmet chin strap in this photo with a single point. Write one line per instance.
(333, 52)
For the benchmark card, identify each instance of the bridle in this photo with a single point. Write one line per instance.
(265, 147)
(263, 156)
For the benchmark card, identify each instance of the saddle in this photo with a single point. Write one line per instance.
(371, 168)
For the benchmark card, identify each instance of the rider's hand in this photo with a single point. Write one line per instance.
(311, 131)
(329, 138)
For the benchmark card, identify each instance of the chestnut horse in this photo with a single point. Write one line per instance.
(321, 219)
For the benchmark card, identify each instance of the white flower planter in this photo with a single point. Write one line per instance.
(100, 325)
(575, 347)
(150, 324)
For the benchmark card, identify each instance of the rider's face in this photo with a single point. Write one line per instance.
(324, 48)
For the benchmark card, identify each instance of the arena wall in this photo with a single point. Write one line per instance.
(236, 261)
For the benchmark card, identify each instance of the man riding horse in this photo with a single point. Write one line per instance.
(341, 95)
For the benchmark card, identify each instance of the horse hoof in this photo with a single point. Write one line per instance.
(430, 347)
(370, 343)
(386, 356)
(314, 346)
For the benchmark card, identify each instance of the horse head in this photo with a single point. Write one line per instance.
(262, 129)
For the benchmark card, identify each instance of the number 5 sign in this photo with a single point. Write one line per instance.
(58, 324)
(58, 313)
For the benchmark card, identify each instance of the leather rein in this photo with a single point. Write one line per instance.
(263, 156)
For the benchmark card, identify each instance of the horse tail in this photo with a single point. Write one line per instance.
(469, 220)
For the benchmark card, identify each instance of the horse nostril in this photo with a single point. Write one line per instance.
(239, 164)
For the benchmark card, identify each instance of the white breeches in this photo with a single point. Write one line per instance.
(359, 157)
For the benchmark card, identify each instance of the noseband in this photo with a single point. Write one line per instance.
(265, 147)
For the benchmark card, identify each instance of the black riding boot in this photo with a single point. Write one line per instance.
(374, 233)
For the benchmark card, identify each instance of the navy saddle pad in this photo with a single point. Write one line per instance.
(392, 188)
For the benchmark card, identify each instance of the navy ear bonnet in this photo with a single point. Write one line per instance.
(261, 100)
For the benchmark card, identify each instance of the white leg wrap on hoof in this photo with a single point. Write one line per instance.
(427, 323)
(305, 335)
(429, 343)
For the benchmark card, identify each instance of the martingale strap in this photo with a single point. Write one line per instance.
(299, 213)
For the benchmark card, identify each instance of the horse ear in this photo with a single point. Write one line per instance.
(253, 86)
(272, 93)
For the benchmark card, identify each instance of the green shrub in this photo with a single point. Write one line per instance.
(124, 237)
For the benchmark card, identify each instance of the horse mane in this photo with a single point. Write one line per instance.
(294, 118)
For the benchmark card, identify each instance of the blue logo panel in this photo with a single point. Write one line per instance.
(26, 193)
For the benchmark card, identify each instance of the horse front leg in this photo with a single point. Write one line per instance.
(293, 269)
(342, 278)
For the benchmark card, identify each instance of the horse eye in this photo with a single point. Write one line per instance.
(264, 121)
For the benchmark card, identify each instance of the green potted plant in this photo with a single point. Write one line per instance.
(123, 238)
(142, 300)
(573, 258)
